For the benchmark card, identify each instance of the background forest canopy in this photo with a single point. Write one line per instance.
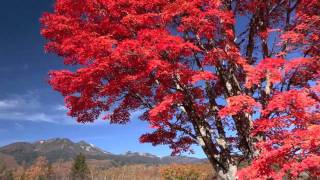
(239, 78)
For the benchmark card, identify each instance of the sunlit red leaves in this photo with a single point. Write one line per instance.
(289, 155)
(162, 42)
(203, 23)
(268, 68)
(293, 100)
(305, 35)
(237, 104)
(163, 110)
(202, 76)
(290, 128)
(301, 70)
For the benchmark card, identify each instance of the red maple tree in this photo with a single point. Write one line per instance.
(238, 77)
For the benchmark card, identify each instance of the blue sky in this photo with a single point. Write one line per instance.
(29, 109)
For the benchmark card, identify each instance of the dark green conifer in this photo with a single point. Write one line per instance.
(80, 170)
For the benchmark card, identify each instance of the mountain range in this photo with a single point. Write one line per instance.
(62, 149)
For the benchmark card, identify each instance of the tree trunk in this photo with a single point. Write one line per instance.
(229, 175)
(224, 170)
(221, 159)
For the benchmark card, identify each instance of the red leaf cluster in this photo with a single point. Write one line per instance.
(237, 104)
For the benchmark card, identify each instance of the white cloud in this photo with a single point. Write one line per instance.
(61, 108)
(26, 116)
(28, 107)
(30, 100)
(40, 117)
(7, 104)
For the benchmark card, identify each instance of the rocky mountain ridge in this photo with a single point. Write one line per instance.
(58, 149)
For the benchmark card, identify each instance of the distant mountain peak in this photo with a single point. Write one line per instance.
(59, 140)
(83, 142)
(130, 153)
(54, 140)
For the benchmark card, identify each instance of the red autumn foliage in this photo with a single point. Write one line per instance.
(240, 78)
(237, 104)
(269, 67)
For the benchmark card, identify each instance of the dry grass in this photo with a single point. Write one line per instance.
(131, 172)
(60, 171)
(201, 171)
